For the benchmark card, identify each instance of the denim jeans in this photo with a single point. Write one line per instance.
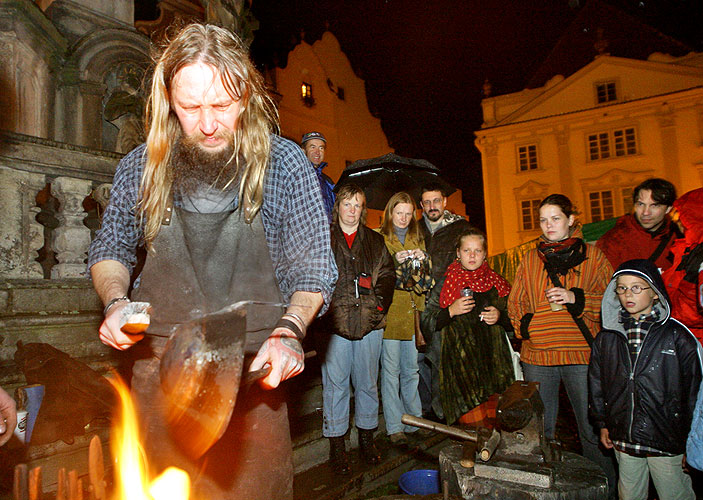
(576, 385)
(399, 381)
(671, 481)
(355, 362)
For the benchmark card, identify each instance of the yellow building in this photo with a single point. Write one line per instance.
(592, 136)
(319, 91)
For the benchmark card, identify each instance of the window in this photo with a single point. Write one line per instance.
(527, 157)
(529, 214)
(603, 145)
(306, 94)
(605, 92)
(601, 205)
(627, 203)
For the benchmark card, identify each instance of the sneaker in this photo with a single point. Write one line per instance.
(398, 438)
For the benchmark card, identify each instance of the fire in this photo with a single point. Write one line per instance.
(131, 480)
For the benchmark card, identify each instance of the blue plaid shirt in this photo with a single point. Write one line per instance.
(293, 215)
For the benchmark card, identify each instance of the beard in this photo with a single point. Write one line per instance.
(194, 166)
(434, 215)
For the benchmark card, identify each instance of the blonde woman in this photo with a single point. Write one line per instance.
(399, 368)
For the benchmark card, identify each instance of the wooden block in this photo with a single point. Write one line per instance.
(96, 469)
(62, 485)
(73, 486)
(20, 483)
(35, 489)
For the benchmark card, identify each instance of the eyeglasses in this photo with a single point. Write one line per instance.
(636, 289)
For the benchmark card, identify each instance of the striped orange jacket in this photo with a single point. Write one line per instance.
(554, 338)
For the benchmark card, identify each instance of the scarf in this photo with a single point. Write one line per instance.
(560, 256)
(480, 280)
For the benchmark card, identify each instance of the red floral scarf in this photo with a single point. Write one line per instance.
(481, 280)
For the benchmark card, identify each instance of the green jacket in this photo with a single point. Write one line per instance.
(400, 321)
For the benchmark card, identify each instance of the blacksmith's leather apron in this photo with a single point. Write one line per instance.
(201, 263)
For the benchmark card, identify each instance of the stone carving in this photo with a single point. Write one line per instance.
(71, 239)
(124, 106)
(235, 15)
(22, 235)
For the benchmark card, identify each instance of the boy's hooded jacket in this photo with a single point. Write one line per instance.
(651, 401)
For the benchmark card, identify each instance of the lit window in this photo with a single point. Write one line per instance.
(606, 92)
(622, 142)
(527, 157)
(601, 204)
(306, 94)
(529, 214)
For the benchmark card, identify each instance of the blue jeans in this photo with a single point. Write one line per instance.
(576, 385)
(354, 361)
(399, 380)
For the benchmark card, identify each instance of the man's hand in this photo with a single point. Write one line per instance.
(605, 438)
(462, 305)
(8, 417)
(283, 351)
(111, 333)
(111, 279)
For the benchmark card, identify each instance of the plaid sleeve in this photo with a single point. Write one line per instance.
(296, 224)
(119, 235)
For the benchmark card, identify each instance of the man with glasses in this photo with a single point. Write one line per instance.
(440, 229)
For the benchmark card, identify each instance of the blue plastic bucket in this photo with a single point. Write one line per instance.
(420, 482)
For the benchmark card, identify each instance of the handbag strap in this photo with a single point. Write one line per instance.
(587, 335)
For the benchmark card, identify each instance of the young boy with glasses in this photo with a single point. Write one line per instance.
(643, 378)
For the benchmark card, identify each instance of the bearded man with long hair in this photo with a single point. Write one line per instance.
(227, 211)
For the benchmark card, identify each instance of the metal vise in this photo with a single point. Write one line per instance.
(519, 433)
(520, 420)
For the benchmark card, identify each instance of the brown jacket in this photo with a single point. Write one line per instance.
(353, 315)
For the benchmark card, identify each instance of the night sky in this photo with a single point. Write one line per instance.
(425, 62)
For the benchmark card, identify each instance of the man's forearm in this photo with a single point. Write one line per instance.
(110, 279)
(305, 305)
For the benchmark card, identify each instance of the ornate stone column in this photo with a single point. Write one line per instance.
(20, 233)
(71, 239)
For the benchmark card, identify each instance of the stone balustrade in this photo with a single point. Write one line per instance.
(40, 176)
(48, 213)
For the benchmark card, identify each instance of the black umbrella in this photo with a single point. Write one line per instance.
(382, 177)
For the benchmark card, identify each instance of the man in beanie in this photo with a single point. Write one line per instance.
(314, 144)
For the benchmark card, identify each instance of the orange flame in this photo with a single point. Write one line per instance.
(132, 481)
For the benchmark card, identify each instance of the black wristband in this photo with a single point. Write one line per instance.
(290, 325)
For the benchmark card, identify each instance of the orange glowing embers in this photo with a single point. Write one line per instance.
(131, 471)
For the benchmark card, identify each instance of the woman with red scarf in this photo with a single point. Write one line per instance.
(555, 308)
(475, 363)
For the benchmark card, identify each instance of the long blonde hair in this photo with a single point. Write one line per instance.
(222, 50)
(387, 222)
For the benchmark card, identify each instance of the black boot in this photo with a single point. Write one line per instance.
(338, 456)
(367, 448)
